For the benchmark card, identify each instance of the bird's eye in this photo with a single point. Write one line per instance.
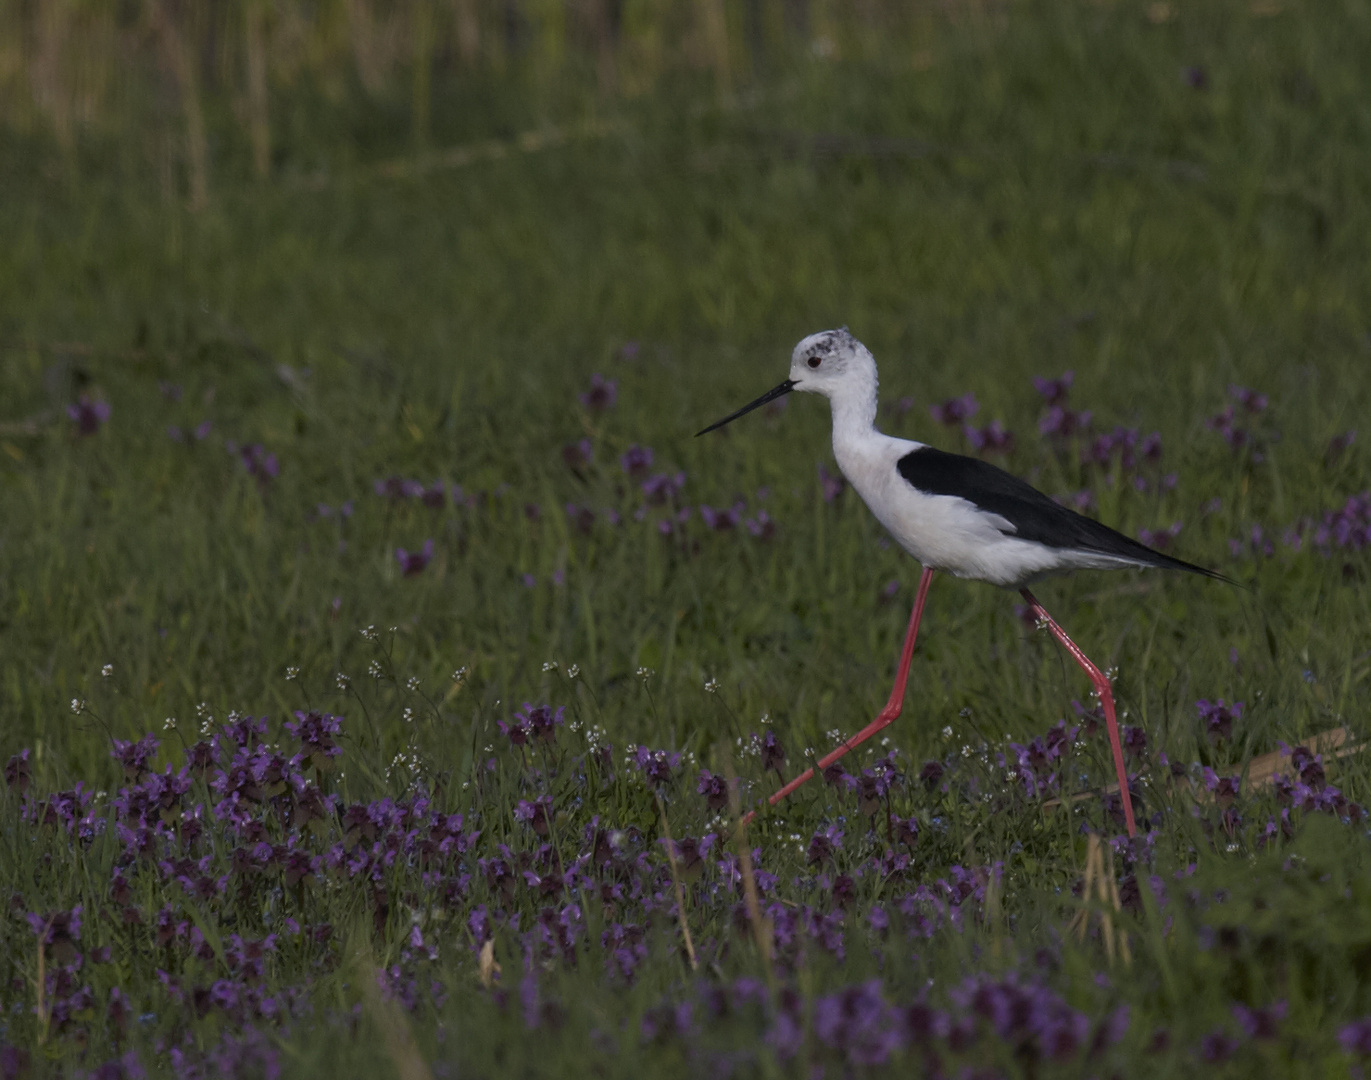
(814, 361)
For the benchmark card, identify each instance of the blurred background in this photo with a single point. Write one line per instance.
(212, 92)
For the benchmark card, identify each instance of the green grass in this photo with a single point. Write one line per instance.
(1050, 194)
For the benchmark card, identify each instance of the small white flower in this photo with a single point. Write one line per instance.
(78, 706)
(409, 716)
(412, 683)
(1041, 623)
(202, 710)
(459, 674)
(169, 724)
(947, 732)
(549, 665)
(646, 673)
(107, 671)
(369, 633)
(1232, 848)
(573, 671)
(711, 686)
(292, 673)
(374, 669)
(343, 681)
(766, 718)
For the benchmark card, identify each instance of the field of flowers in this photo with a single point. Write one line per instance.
(385, 669)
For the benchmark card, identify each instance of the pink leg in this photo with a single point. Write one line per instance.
(1102, 688)
(892, 708)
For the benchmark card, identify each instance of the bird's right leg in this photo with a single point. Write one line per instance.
(1106, 694)
(892, 708)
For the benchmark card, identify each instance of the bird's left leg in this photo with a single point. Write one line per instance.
(892, 707)
(1106, 694)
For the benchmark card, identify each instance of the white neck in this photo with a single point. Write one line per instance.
(854, 407)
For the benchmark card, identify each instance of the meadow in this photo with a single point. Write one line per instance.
(379, 648)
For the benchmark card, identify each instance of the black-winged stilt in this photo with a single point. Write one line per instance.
(953, 513)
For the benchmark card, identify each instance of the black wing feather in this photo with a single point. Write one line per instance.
(1033, 515)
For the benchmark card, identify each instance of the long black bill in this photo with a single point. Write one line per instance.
(770, 395)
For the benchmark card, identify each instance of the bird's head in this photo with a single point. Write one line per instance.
(832, 363)
(829, 362)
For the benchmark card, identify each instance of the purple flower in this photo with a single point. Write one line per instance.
(515, 730)
(629, 350)
(1063, 422)
(603, 393)
(539, 721)
(1356, 1037)
(1338, 445)
(657, 766)
(762, 527)
(17, 771)
(134, 756)
(315, 731)
(580, 518)
(1216, 1047)
(57, 927)
(955, 410)
(833, 484)
(1218, 717)
(1250, 400)
(202, 430)
(1160, 538)
(395, 488)
(260, 465)
(994, 438)
(720, 520)
(1195, 78)
(636, 460)
(435, 495)
(88, 415)
(858, 1023)
(578, 454)
(414, 562)
(1261, 1023)
(537, 815)
(662, 487)
(1054, 391)
(713, 788)
(824, 844)
(773, 753)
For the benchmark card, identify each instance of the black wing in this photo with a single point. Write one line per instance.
(1033, 515)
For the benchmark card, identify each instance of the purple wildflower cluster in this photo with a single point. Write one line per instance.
(1060, 421)
(257, 461)
(1229, 422)
(88, 416)
(243, 826)
(397, 489)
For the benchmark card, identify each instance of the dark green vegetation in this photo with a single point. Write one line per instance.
(1167, 209)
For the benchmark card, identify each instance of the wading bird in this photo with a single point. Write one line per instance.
(956, 514)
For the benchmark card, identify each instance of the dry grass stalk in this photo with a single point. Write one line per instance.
(1100, 884)
(181, 60)
(762, 932)
(421, 92)
(680, 888)
(489, 968)
(1261, 771)
(42, 988)
(468, 29)
(259, 115)
(714, 23)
